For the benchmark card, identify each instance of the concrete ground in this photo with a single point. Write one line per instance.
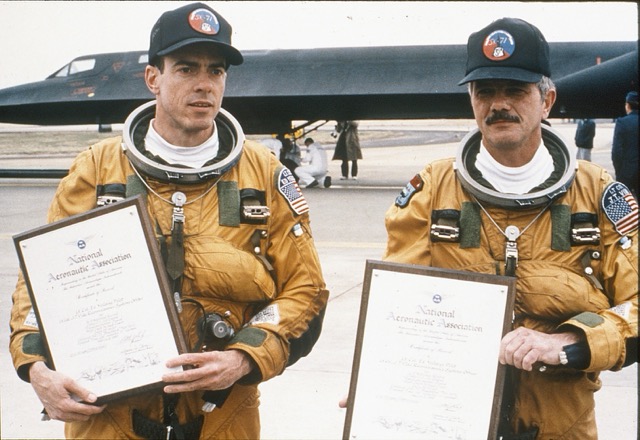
(348, 228)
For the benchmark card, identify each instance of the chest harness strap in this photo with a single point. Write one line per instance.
(450, 225)
(586, 261)
(445, 225)
(171, 429)
(175, 258)
(584, 229)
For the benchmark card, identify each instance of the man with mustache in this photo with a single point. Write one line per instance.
(516, 202)
(235, 232)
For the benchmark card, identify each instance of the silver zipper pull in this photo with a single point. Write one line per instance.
(179, 199)
(512, 233)
(208, 407)
(511, 250)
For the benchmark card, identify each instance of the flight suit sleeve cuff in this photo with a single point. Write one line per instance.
(266, 351)
(31, 350)
(604, 347)
(23, 370)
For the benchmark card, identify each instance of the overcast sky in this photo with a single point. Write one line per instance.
(37, 38)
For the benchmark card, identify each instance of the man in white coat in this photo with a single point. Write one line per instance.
(315, 166)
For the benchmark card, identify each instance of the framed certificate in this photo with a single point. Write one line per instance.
(426, 357)
(102, 300)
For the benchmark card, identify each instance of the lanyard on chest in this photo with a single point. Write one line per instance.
(512, 233)
(175, 252)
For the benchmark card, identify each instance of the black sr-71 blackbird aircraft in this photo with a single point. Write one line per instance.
(275, 87)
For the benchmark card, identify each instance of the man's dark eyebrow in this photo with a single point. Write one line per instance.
(218, 64)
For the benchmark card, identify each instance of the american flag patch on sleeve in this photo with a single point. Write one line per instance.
(289, 188)
(620, 207)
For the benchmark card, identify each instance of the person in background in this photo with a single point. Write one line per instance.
(229, 220)
(274, 144)
(290, 155)
(585, 132)
(348, 148)
(624, 152)
(512, 203)
(316, 168)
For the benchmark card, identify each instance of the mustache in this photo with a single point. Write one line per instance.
(501, 116)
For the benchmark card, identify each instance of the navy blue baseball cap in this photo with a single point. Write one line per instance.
(509, 48)
(632, 97)
(193, 23)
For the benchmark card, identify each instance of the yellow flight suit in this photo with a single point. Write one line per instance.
(276, 319)
(552, 291)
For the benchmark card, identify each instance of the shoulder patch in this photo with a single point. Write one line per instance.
(620, 207)
(408, 191)
(288, 187)
(623, 309)
(268, 315)
(31, 320)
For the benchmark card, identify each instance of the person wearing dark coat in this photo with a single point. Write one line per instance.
(348, 148)
(624, 153)
(585, 133)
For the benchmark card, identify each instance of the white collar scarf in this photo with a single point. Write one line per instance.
(194, 157)
(518, 180)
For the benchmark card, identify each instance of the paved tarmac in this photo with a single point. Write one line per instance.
(347, 220)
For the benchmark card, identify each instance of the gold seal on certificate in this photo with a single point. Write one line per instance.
(101, 299)
(426, 358)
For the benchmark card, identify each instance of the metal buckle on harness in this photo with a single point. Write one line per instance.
(177, 217)
(255, 212)
(511, 251)
(110, 193)
(179, 199)
(585, 235)
(444, 233)
(511, 258)
(108, 200)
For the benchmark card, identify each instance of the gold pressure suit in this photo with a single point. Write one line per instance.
(264, 277)
(589, 287)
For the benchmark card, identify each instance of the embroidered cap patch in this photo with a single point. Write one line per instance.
(203, 21)
(620, 207)
(498, 46)
(289, 188)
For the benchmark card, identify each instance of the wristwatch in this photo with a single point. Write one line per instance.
(576, 355)
(563, 357)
